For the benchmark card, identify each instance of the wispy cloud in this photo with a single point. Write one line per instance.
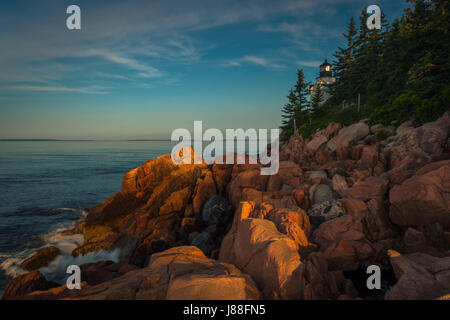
(87, 90)
(254, 60)
(145, 71)
(110, 76)
(230, 63)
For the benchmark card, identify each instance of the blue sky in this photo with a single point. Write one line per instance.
(140, 69)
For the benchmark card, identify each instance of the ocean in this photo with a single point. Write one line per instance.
(47, 186)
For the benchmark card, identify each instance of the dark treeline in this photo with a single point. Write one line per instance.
(399, 72)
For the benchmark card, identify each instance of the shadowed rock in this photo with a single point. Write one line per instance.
(41, 258)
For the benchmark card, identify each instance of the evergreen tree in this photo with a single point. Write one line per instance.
(301, 113)
(297, 106)
(343, 61)
(316, 99)
(287, 113)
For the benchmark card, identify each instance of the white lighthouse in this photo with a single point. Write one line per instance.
(323, 81)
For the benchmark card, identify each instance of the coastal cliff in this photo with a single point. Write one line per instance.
(345, 199)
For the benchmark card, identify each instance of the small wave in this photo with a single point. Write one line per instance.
(56, 270)
(11, 265)
(10, 262)
(64, 243)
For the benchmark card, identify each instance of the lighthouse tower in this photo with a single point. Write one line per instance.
(323, 81)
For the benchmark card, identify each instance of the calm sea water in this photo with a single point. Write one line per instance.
(46, 186)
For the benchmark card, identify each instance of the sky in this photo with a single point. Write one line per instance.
(141, 69)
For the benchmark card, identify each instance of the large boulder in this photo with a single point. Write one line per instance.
(41, 258)
(320, 138)
(420, 276)
(25, 284)
(316, 143)
(271, 258)
(343, 243)
(415, 147)
(373, 187)
(423, 199)
(348, 135)
(180, 273)
(270, 245)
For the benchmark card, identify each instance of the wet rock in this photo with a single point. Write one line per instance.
(41, 258)
(25, 284)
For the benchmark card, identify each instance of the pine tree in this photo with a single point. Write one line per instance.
(301, 113)
(360, 66)
(287, 113)
(343, 61)
(297, 106)
(316, 99)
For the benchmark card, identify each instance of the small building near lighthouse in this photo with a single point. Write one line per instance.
(323, 81)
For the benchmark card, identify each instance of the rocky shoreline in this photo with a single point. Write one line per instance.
(343, 200)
